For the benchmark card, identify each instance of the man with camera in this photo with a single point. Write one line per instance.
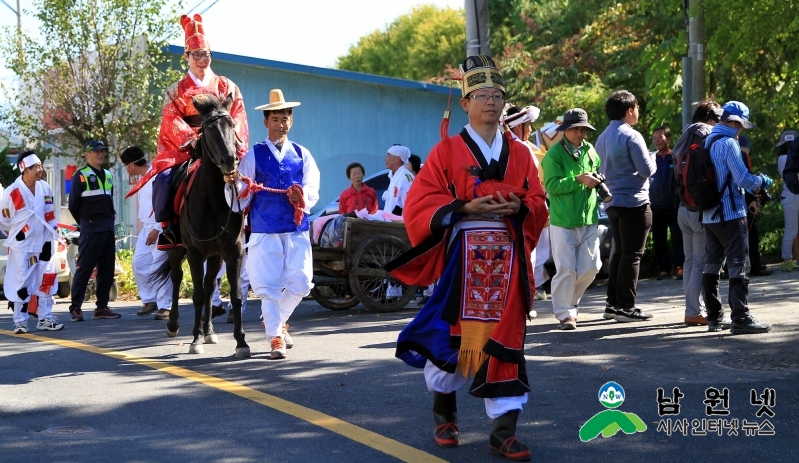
(726, 226)
(571, 180)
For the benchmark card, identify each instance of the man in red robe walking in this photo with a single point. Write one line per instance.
(474, 214)
(180, 122)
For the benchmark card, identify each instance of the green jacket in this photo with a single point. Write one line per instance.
(571, 204)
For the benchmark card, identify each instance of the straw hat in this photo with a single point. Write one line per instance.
(276, 101)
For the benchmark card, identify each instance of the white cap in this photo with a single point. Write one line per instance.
(403, 152)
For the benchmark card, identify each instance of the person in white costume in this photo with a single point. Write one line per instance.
(28, 217)
(279, 262)
(401, 179)
(146, 256)
(519, 121)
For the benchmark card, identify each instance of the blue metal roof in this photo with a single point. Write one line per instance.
(326, 72)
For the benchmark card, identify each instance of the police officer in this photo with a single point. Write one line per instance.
(92, 207)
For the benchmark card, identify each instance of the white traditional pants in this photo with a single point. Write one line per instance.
(540, 256)
(440, 381)
(281, 272)
(576, 255)
(146, 260)
(24, 270)
(244, 280)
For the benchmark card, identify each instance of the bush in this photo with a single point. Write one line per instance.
(127, 282)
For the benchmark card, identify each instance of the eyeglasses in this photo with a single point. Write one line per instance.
(199, 55)
(482, 98)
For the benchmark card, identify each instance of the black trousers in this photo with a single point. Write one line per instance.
(96, 249)
(630, 227)
(728, 239)
(664, 220)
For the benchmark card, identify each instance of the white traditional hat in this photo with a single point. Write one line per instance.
(276, 101)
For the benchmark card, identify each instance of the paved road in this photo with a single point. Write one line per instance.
(341, 395)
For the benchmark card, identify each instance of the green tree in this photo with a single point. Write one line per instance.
(417, 46)
(7, 172)
(98, 72)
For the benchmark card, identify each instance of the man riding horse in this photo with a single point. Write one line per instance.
(180, 121)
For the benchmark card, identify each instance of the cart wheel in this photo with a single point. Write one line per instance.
(371, 283)
(333, 294)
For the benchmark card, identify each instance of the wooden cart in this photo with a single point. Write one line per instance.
(354, 273)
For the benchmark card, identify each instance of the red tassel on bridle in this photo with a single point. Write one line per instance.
(251, 186)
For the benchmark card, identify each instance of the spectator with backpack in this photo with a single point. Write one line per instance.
(689, 217)
(725, 224)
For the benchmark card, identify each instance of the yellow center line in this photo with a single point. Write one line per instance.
(371, 439)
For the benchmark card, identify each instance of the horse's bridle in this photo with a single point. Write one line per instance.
(203, 149)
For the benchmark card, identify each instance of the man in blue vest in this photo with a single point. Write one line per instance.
(92, 206)
(279, 261)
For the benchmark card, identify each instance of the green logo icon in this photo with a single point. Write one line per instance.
(609, 422)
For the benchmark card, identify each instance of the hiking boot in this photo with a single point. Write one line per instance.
(631, 315)
(610, 312)
(445, 417)
(148, 308)
(503, 439)
(287, 337)
(715, 326)
(760, 272)
(77, 315)
(105, 313)
(664, 276)
(20, 327)
(749, 325)
(49, 324)
(789, 266)
(163, 314)
(568, 324)
(678, 273)
(278, 348)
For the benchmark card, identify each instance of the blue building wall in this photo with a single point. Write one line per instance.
(345, 116)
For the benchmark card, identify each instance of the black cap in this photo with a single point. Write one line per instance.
(94, 145)
(133, 155)
(575, 117)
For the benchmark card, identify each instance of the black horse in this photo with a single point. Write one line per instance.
(210, 230)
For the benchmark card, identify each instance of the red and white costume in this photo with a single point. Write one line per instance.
(28, 214)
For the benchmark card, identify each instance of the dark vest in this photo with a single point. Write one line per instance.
(272, 212)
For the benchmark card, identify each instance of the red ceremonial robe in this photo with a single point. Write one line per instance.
(456, 172)
(180, 123)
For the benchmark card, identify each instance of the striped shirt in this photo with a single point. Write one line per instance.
(726, 157)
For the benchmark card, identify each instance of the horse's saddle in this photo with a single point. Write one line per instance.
(170, 189)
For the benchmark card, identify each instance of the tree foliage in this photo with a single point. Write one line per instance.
(7, 173)
(417, 46)
(97, 72)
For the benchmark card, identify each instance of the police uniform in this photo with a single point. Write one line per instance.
(92, 207)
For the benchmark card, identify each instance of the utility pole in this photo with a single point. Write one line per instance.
(694, 79)
(476, 27)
